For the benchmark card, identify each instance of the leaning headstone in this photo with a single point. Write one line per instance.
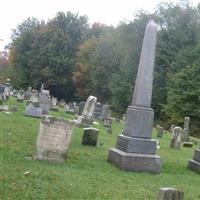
(53, 139)
(107, 122)
(87, 111)
(194, 164)
(90, 136)
(176, 138)
(185, 135)
(167, 193)
(135, 150)
(44, 101)
(33, 111)
(160, 131)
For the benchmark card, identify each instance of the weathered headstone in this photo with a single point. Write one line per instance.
(107, 122)
(89, 107)
(194, 164)
(176, 138)
(53, 139)
(86, 117)
(33, 111)
(90, 136)
(167, 193)
(185, 135)
(69, 108)
(171, 128)
(160, 131)
(53, 101)
(44, 101)
(97, 110)
(20, 96)
(81, 106)
(135, 150)
(105, 112)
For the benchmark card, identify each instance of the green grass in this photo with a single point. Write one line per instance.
(86, 174)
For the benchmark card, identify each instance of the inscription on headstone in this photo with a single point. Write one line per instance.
(53, 139)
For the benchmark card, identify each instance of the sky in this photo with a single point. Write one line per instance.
(110, 12)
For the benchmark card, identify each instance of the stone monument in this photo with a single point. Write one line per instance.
(44, 101)
(53, 139)
(87, 111)
(160, 131)
(135, 150)
(176, 138)
(185, 135)
(194, 164)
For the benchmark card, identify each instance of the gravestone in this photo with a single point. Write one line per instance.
(62, 103)
(20, 96)
(176, 138)
(194, 164)
(34, 97)
(44, 101)
(33, 111)
(135, 150)
(53, 101)
(81, 106)
(69, 108)
(105, 112)
(97, 110)
(167, 193)
(90, 136)
(171, 128)
(160, 131)
(185, 135)
(87, 110)
(107, 122)
(53, 139)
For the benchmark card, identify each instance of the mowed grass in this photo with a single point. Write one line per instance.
(86, 174)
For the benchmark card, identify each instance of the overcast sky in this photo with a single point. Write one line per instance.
(13, 12)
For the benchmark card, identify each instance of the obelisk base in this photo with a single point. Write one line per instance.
(134, 161)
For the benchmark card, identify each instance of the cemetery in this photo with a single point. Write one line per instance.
(76, 128)
(86, 173)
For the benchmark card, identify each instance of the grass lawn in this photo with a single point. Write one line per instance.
(86, 174)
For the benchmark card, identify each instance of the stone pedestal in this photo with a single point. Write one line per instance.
(135, 161)
(195, 163)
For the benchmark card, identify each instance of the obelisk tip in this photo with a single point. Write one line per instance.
(152, 23)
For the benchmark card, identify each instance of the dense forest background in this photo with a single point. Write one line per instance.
(74, 59)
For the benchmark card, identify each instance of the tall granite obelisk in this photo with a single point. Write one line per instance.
(135, 150)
